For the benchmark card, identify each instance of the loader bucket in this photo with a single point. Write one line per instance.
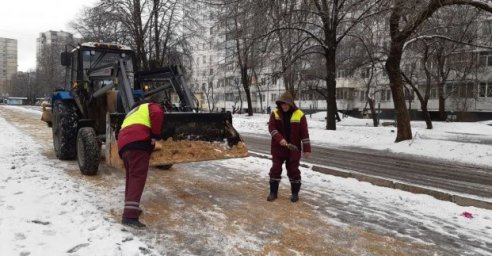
(192, 137)
(46, 115)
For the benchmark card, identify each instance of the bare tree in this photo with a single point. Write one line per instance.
(405, 18)
(209, 91)
(50, 74)
(94, 25)
(157, 30)
(326, 24)
(243, 28)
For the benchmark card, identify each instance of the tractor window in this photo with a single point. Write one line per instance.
(73, 67)
(100, 63)
(99, 60)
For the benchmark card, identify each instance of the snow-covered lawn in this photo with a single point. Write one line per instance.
(463, 142)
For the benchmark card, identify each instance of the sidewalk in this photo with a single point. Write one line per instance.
(458, 198)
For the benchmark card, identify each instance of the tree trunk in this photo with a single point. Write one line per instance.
(331, 85)
(425, 113)
(442, 107)
(374, 116)
(245, 81)
(404, 130)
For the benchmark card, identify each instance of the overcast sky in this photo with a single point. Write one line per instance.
(25, 19)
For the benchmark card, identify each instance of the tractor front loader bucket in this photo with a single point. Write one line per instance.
(186, 137)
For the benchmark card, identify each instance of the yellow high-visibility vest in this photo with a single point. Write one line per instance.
(139, 115)
(296, 116)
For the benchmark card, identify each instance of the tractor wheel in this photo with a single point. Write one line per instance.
(164, 166)
(64, 129)
(88, 151)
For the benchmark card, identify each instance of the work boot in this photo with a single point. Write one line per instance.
(134, 223)
(295, 187)
(273, 190)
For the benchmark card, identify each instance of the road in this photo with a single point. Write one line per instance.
(220, 208)
(455, 177)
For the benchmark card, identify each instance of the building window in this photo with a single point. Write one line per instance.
(366, 72)
(482, 90)
(388, 94)
(274, 97)
(341, 73)
(450, 89)
(433, 93)
(489, 90)
(485, 59)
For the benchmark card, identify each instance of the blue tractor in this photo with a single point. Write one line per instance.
(102, 86)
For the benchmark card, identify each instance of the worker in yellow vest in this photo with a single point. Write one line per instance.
(136, 141)
(289, 130)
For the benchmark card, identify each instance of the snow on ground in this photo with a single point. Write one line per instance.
(456, 141)
(421, 218)
(32, 110)
(44, 212)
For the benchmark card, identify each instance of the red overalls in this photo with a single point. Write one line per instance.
(141, 125)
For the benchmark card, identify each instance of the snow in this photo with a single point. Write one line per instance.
(31, 110)
(46, 211)
(469, 143)
(43, 210)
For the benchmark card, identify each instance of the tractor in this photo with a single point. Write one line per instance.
(100, 89)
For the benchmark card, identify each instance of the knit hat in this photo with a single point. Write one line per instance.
(287, 98)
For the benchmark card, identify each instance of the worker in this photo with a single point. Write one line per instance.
(289, 130)
(140, 130)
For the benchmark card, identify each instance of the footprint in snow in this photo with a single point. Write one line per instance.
(19, 236)
(77, 247)
(49, 232)
(41, 222)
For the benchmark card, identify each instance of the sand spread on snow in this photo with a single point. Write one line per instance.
(170, 151)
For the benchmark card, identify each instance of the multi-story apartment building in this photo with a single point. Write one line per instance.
(217, 75)
(52, 42)
(8, 62)
(215, 70)
(50, 73)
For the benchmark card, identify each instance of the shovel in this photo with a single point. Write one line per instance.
(292, 147)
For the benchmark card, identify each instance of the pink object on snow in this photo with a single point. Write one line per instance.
(468, 215)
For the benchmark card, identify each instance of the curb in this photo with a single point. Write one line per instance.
(383, 182)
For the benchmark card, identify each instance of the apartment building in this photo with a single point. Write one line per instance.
(8, 62)
(216, 73)
(52, 43)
